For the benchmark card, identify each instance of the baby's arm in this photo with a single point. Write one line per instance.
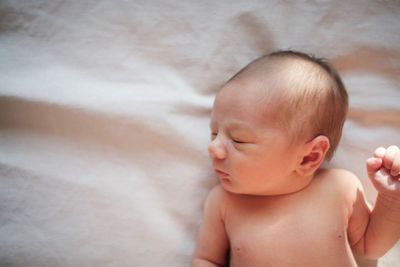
(382, 225)
(212, 242)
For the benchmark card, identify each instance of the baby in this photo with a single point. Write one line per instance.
(272, 125)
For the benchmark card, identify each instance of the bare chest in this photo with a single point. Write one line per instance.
(288, 232)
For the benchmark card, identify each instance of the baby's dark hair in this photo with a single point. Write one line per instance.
(322, 62)
(317, 101)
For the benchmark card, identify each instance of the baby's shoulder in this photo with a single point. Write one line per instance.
(217, 197)
(339, 180)
(216, 193)
(219, 202)
(338, 175)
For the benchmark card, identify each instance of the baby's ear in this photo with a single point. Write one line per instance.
(314, 154)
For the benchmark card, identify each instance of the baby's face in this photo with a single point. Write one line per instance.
(250, 152)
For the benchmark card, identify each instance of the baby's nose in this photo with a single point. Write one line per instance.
(216, 149)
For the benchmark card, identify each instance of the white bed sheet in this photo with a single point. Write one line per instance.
(104, 111)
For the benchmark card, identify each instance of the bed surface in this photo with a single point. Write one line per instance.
(104, 112)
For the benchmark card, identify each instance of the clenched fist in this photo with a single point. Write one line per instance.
(384, 169)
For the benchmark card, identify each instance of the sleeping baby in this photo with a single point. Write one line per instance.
(272, 126)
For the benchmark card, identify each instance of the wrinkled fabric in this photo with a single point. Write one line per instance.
(105, 105)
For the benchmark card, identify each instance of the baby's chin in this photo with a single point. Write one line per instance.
(230, 187)
(234, 188)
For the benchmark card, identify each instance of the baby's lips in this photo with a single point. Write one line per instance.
(222, 175)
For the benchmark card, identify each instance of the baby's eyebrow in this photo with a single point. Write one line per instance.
(240, 126)
(234, 126)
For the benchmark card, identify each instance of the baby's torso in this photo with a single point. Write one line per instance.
(307, 228)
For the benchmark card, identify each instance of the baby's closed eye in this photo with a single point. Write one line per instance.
(242, 140)
(238, 141)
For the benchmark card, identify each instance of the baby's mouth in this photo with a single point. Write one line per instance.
(222, 175)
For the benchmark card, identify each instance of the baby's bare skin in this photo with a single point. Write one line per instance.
(307, 228)
(274, 206)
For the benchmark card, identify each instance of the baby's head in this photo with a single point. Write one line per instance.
(274, 122)
(305, 94)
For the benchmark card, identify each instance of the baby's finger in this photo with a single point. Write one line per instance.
(380, 152)
(373, 165)
(395, 171)
(389, 156)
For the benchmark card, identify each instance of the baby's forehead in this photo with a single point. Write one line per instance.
(247, 100)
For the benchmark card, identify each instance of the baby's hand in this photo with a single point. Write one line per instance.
(384, 169)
